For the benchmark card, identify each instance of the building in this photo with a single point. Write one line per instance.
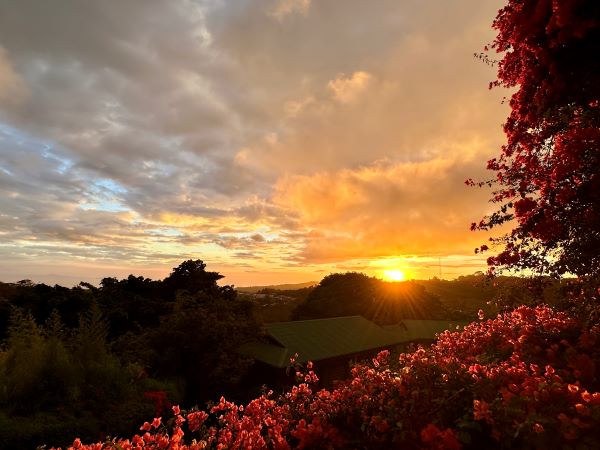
(332, 344)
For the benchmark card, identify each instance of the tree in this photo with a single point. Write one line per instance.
(192, 277)
(548, 173)
(197, 343)
(352, 293)
(55, 380)
(131, 304)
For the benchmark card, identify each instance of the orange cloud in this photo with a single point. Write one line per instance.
(386, 209)
(348, 89)
(284, 8)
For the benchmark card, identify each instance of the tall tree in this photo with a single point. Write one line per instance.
(191, 276)
(548, 173)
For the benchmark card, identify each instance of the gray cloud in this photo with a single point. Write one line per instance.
(155, 128)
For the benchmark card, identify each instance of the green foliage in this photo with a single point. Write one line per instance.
(581, 298)
(96, 359)
(40, 300)
(89, 359)
(38, 428)
(275, 305)
(130, 304)
(198, 343)
(68, 380)
(296, 294)
(464, 296)
(36, 370)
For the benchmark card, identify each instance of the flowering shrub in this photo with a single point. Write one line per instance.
(525, 379)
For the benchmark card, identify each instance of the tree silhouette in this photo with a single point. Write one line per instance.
(192, 277)
(352, 293)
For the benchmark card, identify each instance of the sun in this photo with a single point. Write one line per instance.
(394, 275)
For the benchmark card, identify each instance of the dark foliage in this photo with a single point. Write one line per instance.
(358, 294)
(99, 359)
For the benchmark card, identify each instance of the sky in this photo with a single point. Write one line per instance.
(276, 140)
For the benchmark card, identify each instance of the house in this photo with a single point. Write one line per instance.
(331, 344)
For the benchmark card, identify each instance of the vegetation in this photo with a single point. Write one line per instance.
(275, 304)
(466, 295)
(380, 301)
(89, 360)
(58, 382)
(527, 378)
(460, 299)
(548, 174)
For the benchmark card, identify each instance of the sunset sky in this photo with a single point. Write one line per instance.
(277, 140)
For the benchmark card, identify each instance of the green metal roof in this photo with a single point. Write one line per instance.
(271, 354)
(318, 339)
(315, 340)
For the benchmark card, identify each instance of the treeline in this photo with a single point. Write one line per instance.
(88, 360)
(384, 302)
(464, 296)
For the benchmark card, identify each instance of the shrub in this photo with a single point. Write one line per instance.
(525, 379)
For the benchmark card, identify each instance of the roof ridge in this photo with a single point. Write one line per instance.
(321, 319)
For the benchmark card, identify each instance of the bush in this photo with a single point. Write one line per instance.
(526, 379)
(55, 384)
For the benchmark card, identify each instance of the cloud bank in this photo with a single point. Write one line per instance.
(265, 137)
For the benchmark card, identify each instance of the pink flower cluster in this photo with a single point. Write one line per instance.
(526, 378)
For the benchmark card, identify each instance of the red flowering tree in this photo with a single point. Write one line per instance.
(548, 173)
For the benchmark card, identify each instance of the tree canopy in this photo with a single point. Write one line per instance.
(348, 294)
(548, 172)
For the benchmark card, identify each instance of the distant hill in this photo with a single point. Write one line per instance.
(278, 287)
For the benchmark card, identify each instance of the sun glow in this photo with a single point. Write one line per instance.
(394, 275)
